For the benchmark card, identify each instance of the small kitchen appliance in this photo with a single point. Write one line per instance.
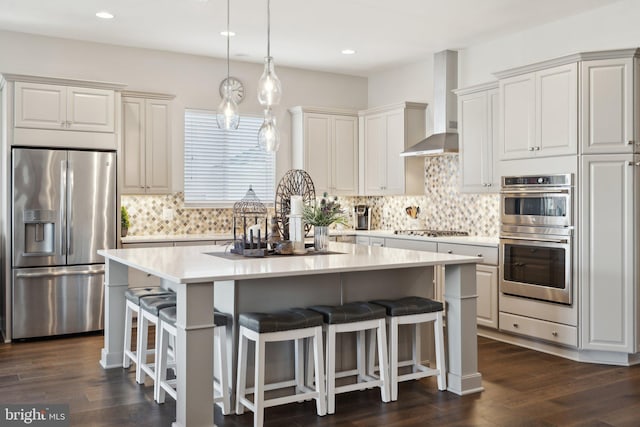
(362, 217)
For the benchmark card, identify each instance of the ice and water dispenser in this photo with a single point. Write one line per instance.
(39, 232)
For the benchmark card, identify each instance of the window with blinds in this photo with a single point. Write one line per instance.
(220, 166)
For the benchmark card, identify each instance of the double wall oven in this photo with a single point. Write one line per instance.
(536, 237)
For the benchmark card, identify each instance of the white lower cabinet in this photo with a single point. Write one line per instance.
(548, 331)
(609, 232)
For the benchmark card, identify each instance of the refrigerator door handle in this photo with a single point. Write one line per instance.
(69, 209)
(32, 275)
(63, 206)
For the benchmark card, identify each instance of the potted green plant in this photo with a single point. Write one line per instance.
(321, 216)
(124, 221)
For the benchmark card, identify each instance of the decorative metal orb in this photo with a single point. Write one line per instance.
(294, 182)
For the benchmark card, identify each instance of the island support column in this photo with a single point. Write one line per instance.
(462, 355)
(194, 354)
(116, 283)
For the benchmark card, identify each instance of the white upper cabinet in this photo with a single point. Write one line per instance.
(325, 144)
(145, 162)
(478, 109)
(48, 106)
(608, 106)
(386, 132)
(539, 113)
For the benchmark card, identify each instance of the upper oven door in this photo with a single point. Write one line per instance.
(536, 266)
(548, 207)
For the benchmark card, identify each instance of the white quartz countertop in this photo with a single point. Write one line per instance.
(463, 240)
(192, 264)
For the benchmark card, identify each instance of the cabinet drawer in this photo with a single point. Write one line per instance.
(489, 254)
(548, 331)
(416, 245)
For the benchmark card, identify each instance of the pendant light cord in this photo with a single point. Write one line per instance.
(268, 28)
(228, 37)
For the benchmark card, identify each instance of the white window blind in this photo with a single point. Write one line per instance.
(219, 165)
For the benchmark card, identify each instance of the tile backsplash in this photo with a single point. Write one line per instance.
(442, 207)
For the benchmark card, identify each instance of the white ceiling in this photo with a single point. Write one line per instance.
(304, 33)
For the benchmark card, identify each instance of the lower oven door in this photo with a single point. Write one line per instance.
(537, 266)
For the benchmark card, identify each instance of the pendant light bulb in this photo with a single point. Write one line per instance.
(269, 87)
(269, 136)
(227, 116)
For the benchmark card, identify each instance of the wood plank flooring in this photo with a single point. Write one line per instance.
(522, 388)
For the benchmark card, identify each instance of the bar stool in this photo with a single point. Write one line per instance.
(168, 329)
(295, 324)
(355, 317)
(132, 299)
(149, 311)
(414, 311)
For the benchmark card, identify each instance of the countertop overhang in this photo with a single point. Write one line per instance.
(192, 264)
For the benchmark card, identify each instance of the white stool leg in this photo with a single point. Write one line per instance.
(258, 386)
(299, 364)
(141, 350)
(361, 352)
(331, 369)
(441, 360)
(321, 400)
(161, 365)
(241, 383)
(416, 348)
(128, 326)
(371, 352)
(309, 372)
(221, 358)
(393, 356)
(383, 363)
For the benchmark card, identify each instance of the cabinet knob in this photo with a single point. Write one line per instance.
(530, 148)
(515, 325)
(537, 148)
(629, 142)
(633, 164)
(479, 255)
(554, 333)
(449, 251)
(488, 184)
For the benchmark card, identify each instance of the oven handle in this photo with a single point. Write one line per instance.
(515, 192)
(536, 239)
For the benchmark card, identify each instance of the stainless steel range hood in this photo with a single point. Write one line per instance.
(444, 139)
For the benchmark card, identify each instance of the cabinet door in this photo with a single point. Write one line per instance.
(344, 155)
(317, 140)
(487, 303)
(493, 172)
(40, 106)
(375, 140)
(607, 106)
(158, 146)
(91, 110)
(132, 161)
(517, 116)
(608, 230)
(473, 120)
(393, 162)
(557, 111)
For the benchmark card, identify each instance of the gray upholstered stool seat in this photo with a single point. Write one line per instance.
(220, 319)
(134, 294)
(350, 312)
(154, 304)
(297, 325)
(410, 305)
(414, 311)
(284, 320)
(364, 318)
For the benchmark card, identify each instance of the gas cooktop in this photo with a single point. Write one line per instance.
(432, 233)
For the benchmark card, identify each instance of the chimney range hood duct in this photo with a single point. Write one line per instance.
(444, 139)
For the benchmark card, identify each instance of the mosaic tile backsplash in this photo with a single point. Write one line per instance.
(442, 207)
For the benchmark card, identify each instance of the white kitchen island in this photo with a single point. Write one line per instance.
(349, 273)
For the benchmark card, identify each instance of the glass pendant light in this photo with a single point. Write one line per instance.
(268, 136)
(227, 116)
(269, 87)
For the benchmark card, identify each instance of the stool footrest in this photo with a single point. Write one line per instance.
(358, 386)
(424, 373)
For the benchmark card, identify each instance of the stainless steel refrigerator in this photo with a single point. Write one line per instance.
(63, 211)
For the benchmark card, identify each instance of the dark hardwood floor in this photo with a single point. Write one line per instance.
(522, 388)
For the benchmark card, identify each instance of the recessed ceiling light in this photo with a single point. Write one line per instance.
(227, 34)
(104, 15)
(348, 52)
